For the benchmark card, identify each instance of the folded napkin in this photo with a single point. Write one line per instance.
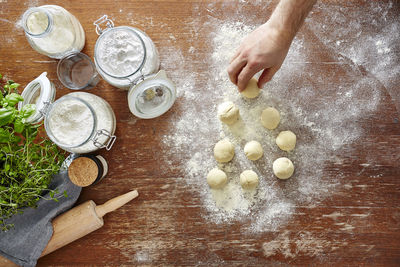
(32, 230)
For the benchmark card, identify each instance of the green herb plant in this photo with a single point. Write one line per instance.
(27, 160)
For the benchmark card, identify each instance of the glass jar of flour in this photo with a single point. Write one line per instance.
(78, 122)
(127, 58)
(123, 54)
(53, 31)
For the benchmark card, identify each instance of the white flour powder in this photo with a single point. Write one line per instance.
(120, 52)
(64, 35)
(71, 121)
(105, 120)
(298, 91)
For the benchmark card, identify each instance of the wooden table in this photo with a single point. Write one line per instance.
(165, 226)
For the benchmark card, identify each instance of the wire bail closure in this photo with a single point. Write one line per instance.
(110, 141)
(103, 19)
(45, 109)
(134, 82)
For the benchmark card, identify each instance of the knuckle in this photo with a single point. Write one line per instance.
(253, 64)
(245, 53)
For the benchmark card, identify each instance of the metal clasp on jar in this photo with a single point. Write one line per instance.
(46, 108)
(110, 141)
(103, 19)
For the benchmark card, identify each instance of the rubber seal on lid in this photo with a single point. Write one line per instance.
(39, 92)
(152, 97)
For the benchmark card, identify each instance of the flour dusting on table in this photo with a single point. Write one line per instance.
(299, 92)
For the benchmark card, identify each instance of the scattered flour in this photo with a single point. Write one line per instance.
(324, 126)
(367, 36)
(304, 243)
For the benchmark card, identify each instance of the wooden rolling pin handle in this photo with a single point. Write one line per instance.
(115, 203)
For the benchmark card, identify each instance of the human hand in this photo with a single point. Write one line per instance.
(263, 49)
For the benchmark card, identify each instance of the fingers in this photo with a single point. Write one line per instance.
(237, 53)
(235, 68)
(266, 76)
(245, 75)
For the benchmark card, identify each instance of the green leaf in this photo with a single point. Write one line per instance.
(6, 115)
(13, 98)
(14, 85)
(19, 125)
(27, 110)
(4, 135)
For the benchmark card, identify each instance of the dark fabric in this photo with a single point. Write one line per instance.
(25, 242)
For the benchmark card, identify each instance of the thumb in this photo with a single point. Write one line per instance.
(266, 76)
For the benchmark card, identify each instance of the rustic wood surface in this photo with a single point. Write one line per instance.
(164, 226)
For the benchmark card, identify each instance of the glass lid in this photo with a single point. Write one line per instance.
(120, 52)
(152, 97)
(39, 92)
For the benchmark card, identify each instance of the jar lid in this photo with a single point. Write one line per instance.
(152, 96)
(84, 171)
(39, 92)
(120, 52)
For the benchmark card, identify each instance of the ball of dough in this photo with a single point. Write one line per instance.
(253, 150)
(216, 178)
(286, 140)
(228, 113)
(251, 90)
(248, 179)
(270, 118)
(224, 151)
(283, 168)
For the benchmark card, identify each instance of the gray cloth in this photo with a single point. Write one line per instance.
(33, 229)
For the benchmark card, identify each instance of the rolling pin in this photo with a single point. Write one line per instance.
(82, 220)
(78, 222)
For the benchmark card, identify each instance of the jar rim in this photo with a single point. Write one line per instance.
(79, 54)
(32, 10)
(51, 135)
(132, 30)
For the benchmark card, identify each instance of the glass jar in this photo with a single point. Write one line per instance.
(78, 122)
(127, 58)
(53, 31)
(123, 54)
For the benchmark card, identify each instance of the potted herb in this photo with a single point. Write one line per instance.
(28, 161)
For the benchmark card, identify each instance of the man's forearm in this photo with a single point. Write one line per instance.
(289, 15)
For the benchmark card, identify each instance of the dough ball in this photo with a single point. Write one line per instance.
(251, 90)
(248, 179)
(224, 151)
(283, 168)
(228, 113)
(270, 118)
(253, 150)
(286, 140)
(216, 178)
